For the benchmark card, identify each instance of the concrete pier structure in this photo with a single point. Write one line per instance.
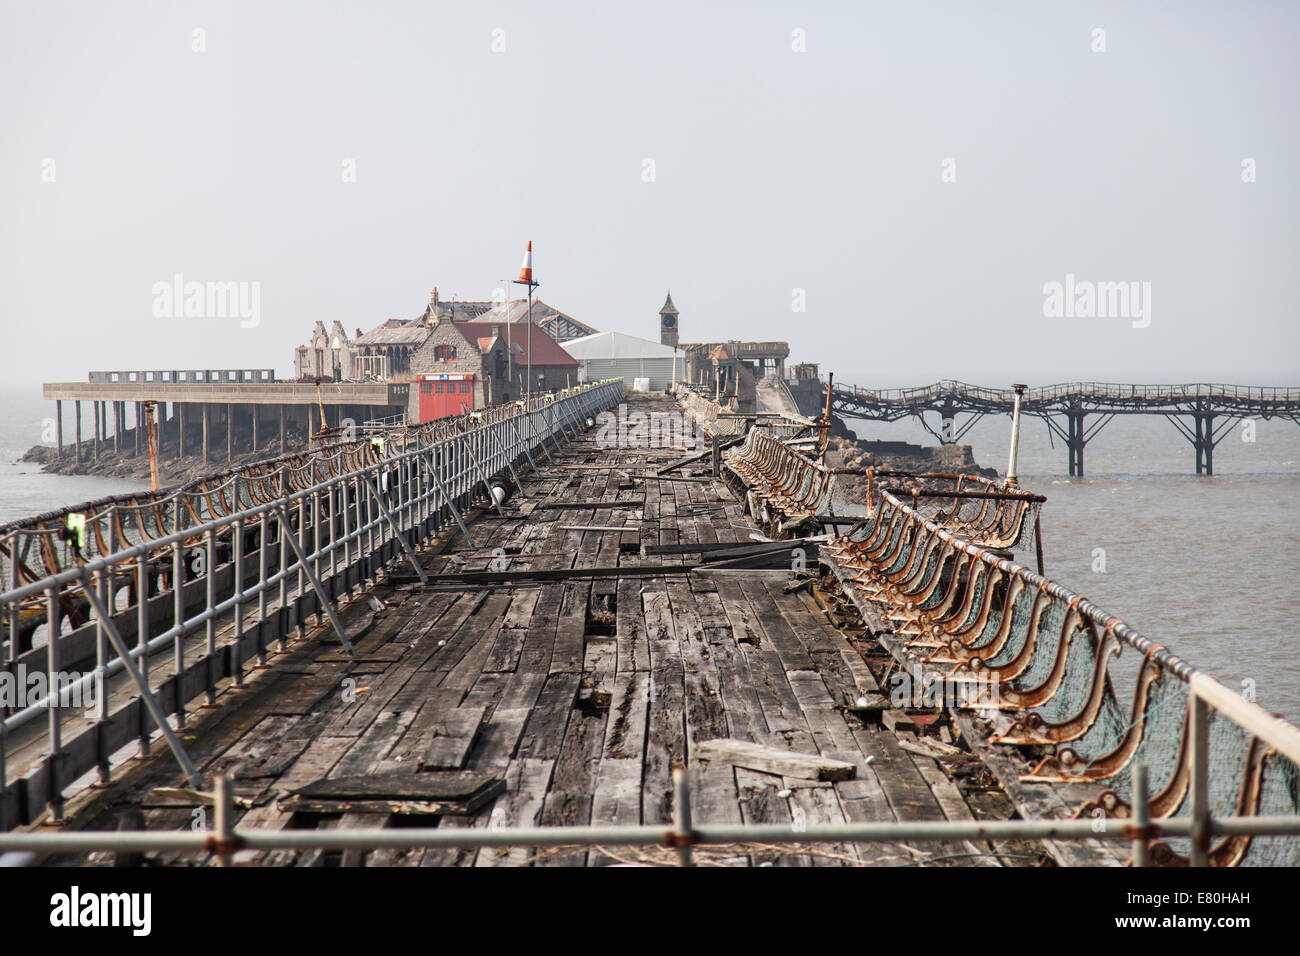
(223, 409)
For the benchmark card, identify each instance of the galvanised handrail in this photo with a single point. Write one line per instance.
(225, 840)
(1045, 650)
(345, 513)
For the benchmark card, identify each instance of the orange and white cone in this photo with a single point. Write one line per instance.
(526, 271)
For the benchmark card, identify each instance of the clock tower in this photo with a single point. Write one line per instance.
(668, 323)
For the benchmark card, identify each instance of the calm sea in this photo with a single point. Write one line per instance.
(1206, 566)
(24, 488)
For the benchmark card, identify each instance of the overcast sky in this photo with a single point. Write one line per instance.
(913, 174)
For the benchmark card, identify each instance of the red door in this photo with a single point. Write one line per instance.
(442, 396)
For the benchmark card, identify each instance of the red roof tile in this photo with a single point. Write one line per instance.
(546, 351)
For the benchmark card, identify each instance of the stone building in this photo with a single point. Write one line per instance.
(461, 354)
(466, 365)
(328, 355)
(759, 359)
(384, 353)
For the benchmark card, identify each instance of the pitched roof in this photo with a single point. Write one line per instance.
(388, 334)
(546, 351)
(510, 311)
(617, 345)
(669, 308)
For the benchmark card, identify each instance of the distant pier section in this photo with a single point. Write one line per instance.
(1203, 413)
(203, 409)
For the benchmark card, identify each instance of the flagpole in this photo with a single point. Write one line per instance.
(526, 279)
(510, 352)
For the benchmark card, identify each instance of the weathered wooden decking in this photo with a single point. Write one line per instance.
(578, 694)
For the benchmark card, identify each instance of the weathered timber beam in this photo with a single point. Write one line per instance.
(699, 456)
(555, 574)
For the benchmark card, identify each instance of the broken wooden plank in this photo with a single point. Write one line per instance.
(896, 720)
(453, 736)
(458, 792)
(781, 763)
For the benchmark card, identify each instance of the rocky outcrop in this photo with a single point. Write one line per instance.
(126, 465)
(896, 456)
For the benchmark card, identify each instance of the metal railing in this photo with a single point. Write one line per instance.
(1042, 653)
(225, 840)
(183, 376)
(786, 488)
(1095, 393)
(265, 545)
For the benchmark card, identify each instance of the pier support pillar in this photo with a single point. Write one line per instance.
(58, 425)
(254, 409)
(95, 411)
(1204, 443)
(230, 433)
(281, 429)
(1074, 442)
(77, 407)
(207, 427)
(180, 430)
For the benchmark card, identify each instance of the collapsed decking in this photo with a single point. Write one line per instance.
(554, 698)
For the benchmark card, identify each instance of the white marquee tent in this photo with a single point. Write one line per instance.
(616, 355)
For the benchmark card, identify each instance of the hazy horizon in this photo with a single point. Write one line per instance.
(916, 175)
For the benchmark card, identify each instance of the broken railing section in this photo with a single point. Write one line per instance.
(1035, 658)
(264, 547)
(786, 490)
(788, 493)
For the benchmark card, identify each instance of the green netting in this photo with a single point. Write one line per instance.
(1019, 610)
(895, 531)
(945, 579)
(1106, 731)
(1228, 746)
(1279, 796)
(1070, 696)
(980, 575)
(1162, 731)
(1048, 621)
(904, 552)
(1044, 654)
(929, 571)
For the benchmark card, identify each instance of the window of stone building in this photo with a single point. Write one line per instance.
(444, 353)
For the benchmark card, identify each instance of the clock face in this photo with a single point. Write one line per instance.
(669, 321)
